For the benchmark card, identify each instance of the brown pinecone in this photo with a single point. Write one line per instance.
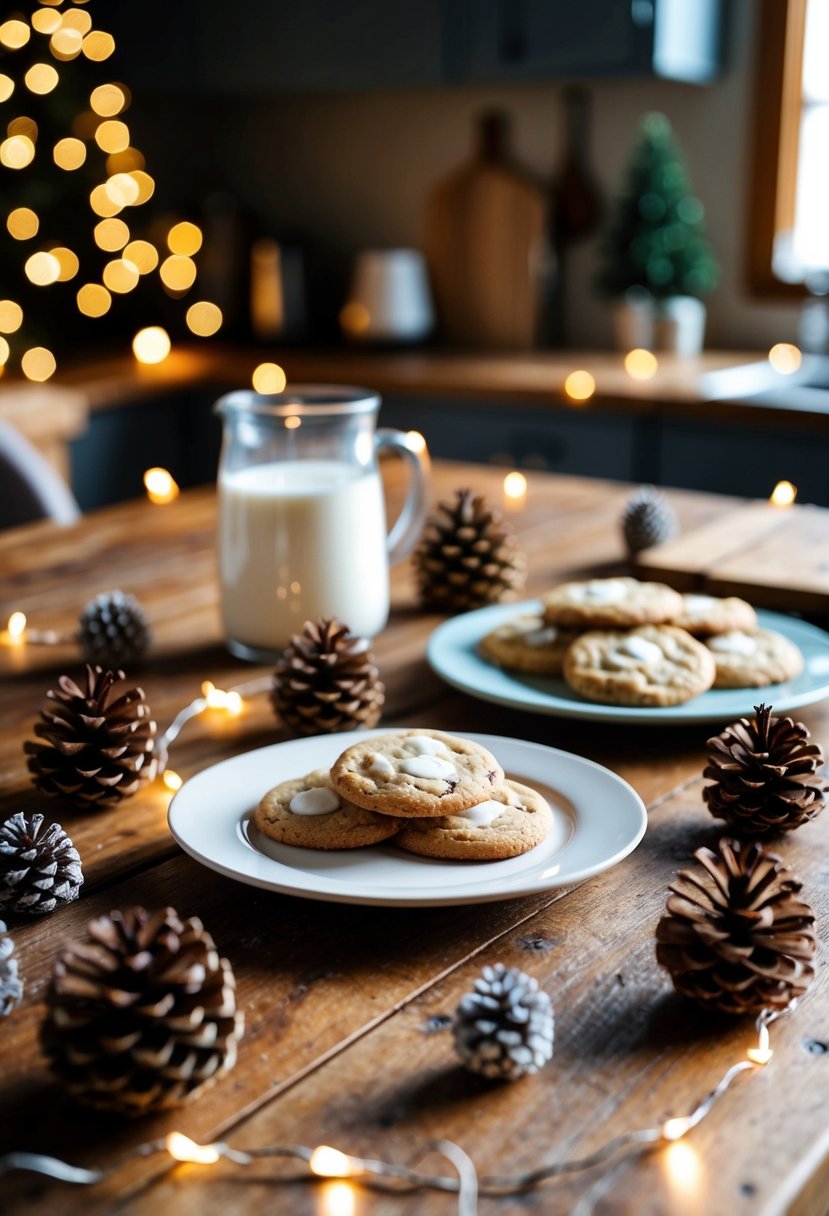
(141, 1013)
(326, 681)
(765, 775)
(466, 557)
(736, 937)
(96, 750)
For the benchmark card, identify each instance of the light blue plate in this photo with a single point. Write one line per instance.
(453, 653)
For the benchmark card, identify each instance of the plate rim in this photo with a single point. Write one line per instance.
(557, 707)
(460, 898)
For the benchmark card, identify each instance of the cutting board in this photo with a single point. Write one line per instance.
(771, 556)
(485, 241)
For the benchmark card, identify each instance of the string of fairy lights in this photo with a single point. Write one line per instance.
(65, 35)
(327, 1162)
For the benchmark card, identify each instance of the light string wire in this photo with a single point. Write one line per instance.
(324, 1161)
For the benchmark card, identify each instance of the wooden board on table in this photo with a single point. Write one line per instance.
(772, 556)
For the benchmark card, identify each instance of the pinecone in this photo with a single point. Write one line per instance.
(765, 775)
(504, 1028)
(466, 557)
(326, 681)
(736, 937)
(142, 1013)
(648, 519)
(114, 630)
(40, 870)
(11, 986)
(96, 750)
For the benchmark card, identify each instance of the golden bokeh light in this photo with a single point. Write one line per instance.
(41, 78)
(6, 86)
(204, 319)
(76, 19)
(68, 262)
(124, 162)
(355, 318)
(22, 223)
(23, 125)
(783, 494)
(17, 152)
(184, 238)
(66, 43)
(161, 486)
(182, 1148)
(93, 300)
(178, 273)
(14, 34)
(5, 351)
(151, 345)
(11, 316)
(85, 124)
(111, 235)
(580, 386)
(145, 184)
(269, 378)
(173, 782)
(327, 1162)
(143, 256)
(98, 45)
(515, 485)
(108, 100)
(69, 153)
(415, 442)
(42, 268)
(121, 189)
(112, 135)
(641, 364)
(45, 22)
(38, 364)
(785, 358)
(338, 1198)
(120, 275)
(102, 204)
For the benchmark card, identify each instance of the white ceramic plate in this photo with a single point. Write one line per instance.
(598, 820)
(453, 654)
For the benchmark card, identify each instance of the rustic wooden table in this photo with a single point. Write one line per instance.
(338, 1000)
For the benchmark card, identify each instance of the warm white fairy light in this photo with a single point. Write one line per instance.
(327, 1162)
(580, 385)
(16, 626)
(268, 378)
(182, 1148)
(161, 486)
(151, 345)
(783, 494)
(172, 780)
(785, 358)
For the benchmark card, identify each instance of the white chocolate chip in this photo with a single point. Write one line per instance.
(640, 650)
(541, 637)
(600, 591)
(484, 813)
(696, 605)
(380, 766)
(735, 642)
(316, 801)
(425, 745)
(428, 766)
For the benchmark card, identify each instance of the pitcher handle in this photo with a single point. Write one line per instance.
(403, 536)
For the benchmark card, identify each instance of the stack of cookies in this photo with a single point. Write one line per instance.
(435, 794)
(620, 641)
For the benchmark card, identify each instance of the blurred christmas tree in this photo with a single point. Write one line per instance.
(71, 254)
(655, 240)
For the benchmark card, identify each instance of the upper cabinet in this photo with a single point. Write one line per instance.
(266, 46)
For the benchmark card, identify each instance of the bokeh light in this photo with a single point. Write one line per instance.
(108, 100)
(112, 135)
(269, 378)
(23, 125)
(42, 268)
(17, 152)
(102, 204)
(143, 256)
(641, 364)
(38, 363)
(111, 234)
(120, 275)
(121, 189)
(45, 21)
(579, 386)
(11, 316)
(6, 86)
(93, 300)
(68, 261)
(204, 319)
(66, 43)
(785, 358)
(151, 345)
(124, 162)
(161, 486)
(178, 273)
(76, 19)
(69, 153)
(145, 185)
(22, 223)
(5, 351)
(515, 484)
(98, 45)
(14, 34)
(41, 78)
(184, 238)
(783, 494)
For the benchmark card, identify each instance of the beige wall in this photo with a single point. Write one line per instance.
(353, 170)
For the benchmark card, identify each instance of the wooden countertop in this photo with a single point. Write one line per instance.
(338, 999)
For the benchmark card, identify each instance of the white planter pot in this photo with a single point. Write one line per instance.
(680, 325)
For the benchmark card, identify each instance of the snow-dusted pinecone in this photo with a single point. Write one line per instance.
(504, 1029)
(114, 630)
(11, 986)
(648, 519)
(40, 868)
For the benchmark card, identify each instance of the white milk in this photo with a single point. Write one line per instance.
(297, 541)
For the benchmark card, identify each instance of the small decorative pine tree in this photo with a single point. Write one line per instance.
(655, 239)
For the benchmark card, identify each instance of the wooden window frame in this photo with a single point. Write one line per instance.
(775, 144)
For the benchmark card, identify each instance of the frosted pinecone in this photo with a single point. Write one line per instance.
(40, 868)
(648, 519)
(114, 630)
(504, 1029)
(11, 987)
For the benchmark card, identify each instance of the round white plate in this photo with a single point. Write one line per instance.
(453, 654)
(598, 820)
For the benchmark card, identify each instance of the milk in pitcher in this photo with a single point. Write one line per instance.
(299, 540)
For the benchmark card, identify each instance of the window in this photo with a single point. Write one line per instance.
(789, 202)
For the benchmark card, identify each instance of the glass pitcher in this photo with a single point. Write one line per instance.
(302, 526)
